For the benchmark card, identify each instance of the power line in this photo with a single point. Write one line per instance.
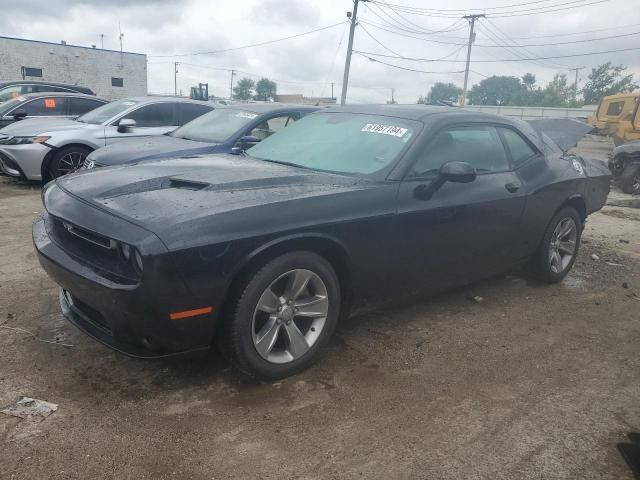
(608, 29)
(268, 42)
(506, 59)
(531, 11)
(465, 10)
(362, 54)
(404, 28)
(526, 50)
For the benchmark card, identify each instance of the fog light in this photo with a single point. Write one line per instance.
(138, 259)
(126, 251)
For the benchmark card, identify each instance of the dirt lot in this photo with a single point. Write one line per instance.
(536, 382)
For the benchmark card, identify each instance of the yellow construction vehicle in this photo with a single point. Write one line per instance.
(628, 128)
(612, 110)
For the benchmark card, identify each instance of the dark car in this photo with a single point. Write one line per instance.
(47, 105)
(345, 209)
(224, 129)
(8, 90)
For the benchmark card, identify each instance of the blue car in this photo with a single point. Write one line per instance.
(227, 129)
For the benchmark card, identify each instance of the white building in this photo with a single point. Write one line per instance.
(109, 73)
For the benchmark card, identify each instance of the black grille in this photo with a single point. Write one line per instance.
(9, 163)
(96, 251)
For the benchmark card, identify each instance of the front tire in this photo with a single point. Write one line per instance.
(559, 247)
(68, 160)
(283, 316)
(630, 179)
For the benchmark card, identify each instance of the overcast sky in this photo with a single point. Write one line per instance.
(310, 63)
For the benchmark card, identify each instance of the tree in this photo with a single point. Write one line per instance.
(607, 79)
(443, 92)
(265, 89)
(529, 81)
(558, 93)
(244, 89)
(422, 100)
(498, 90)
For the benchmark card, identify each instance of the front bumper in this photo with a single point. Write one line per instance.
(130, 318)
(23, 160)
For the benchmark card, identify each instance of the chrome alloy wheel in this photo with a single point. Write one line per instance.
(71, 162)
(563, 245)
(290, 316)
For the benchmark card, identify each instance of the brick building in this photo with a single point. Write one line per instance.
(109, 73)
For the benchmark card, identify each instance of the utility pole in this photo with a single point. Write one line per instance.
(102, 40)
(393, 100)
(347, 62)
(332, 90)
(575, 84)
(472, 21)
(175, 78)
(233, 73)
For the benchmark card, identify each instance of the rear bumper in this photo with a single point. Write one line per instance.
(132, 319)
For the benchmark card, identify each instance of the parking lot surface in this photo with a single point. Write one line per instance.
(532, 382)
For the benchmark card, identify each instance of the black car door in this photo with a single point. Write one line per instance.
(465, 231)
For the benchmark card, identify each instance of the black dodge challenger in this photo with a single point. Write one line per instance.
(345, 209)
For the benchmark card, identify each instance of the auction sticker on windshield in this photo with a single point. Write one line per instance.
(246, 115)
(385, 129)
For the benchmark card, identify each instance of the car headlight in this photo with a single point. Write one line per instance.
(26, 140)
(87, 164)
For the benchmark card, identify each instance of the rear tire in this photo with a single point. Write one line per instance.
(283, 316)
(559, 247)
(630, 179)
(68, 160)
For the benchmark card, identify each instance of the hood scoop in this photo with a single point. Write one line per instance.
(187, 184)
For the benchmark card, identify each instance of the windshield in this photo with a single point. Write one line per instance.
(215, 126)
(339, 142)
(106, 112)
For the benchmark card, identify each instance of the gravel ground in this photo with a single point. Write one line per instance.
(535, 382)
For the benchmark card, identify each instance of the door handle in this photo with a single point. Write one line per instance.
(512, 187)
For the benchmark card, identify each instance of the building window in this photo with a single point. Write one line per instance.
(31, 72)
(117, 82)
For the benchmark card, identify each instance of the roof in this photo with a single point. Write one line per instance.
(415, 111)
(69, 45)
(44, 82)
(28, 96)
(268, 107)
(154, 98)
(621, 96)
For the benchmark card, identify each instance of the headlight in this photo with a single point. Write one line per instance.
(126, 251)
(87, 164)
(138, 259)
(25, 140)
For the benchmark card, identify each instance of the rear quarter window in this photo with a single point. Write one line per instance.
(520, 150)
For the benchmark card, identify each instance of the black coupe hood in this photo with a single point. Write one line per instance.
(166, 194)
(148, 148)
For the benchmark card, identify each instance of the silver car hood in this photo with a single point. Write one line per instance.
(39, 126)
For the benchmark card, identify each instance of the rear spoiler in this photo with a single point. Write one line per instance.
(565, 132)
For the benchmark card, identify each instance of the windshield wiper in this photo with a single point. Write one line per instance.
(280, 162)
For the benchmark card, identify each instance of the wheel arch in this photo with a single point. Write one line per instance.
(46, 161)
(329, 248)
(578, 202)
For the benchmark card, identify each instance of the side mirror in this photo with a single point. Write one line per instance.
(19, 115)
(455, 172)
(458, 172)
(126, 125)
(244, 143)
